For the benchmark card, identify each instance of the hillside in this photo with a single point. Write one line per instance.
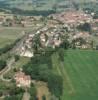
(40, 4)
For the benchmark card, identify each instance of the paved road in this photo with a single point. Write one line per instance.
(7, 69)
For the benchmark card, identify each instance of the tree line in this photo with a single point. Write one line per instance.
(8, 47)
(2, 64)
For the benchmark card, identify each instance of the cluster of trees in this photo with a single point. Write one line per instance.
(40, 68)
(8, 47)
(2, 64)
(85, 27)
(27, 12)
(11, 92)
(61, 54)
(32, 12)
(15, 94)
(14, 97)
(17, 57)
(5, 49)
(33, 92)
(55, 84)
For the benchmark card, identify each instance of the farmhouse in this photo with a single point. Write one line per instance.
(22, 80)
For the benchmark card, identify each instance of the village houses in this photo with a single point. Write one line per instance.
(22, 80)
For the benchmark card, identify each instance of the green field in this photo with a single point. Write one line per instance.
(80, 74)
(10, 34)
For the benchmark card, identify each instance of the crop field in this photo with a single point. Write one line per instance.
(9, 35)
(80, 74)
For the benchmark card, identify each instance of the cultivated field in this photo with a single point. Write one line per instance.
(10, 34)
(80, 74)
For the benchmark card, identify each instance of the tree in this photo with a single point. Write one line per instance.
(65, 44)
(16, 58)
(15, 93)
(14, 97)
(55, 84)
(33, 92)
(96, 47)
(92, 44)
(1, 93)
(36, 44)
(85, 27)
(15, 90)
(43, 97)
(61, 54)
(2, 64)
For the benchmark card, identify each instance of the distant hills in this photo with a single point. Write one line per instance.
(40, 6)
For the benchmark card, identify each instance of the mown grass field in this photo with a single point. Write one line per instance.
(80, 74)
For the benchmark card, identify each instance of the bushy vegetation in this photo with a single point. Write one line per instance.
(10, 91)
(85, 27)
(33, 92)
(15, 94)
(17, 57)
(2, 64)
